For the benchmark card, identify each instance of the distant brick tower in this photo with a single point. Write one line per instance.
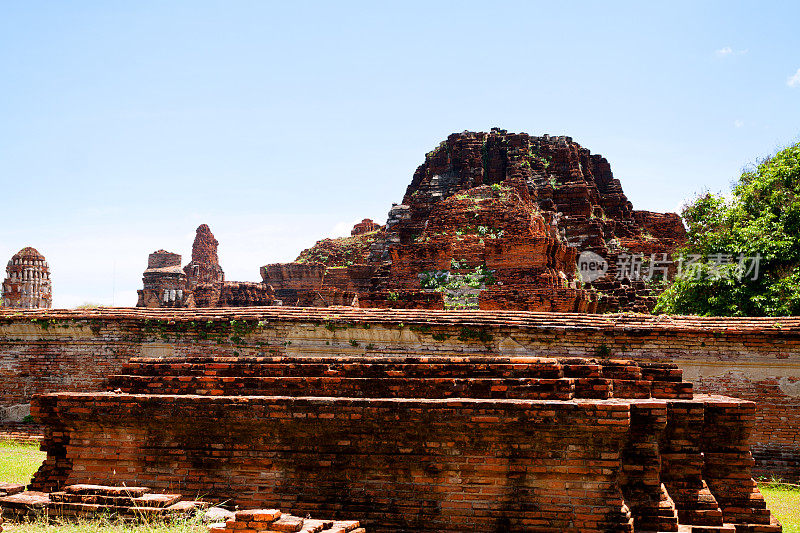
(27, 284)
(164, 282)
(204, 267)
(365, 226)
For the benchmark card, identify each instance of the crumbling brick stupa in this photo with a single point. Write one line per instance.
(451, 230)
(201, 283)
(27, 284)
(419, 443)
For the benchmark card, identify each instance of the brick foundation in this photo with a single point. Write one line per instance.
(470, 444)
(753, 359)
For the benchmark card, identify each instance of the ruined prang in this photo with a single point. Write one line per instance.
(27, 284)
(496, 221)
(164, 282)
(201, 283)
(204, 267)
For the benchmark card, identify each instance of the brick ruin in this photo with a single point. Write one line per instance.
(89, 500)
(201, 283)
(423, 443)
(131, 503)
(365, 226)
(27, 284)
(490, 221)
(519, 205)
(754, 359)
(273, 521)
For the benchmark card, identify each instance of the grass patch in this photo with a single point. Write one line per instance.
(784, 502)
(109, 525)
(19, 461)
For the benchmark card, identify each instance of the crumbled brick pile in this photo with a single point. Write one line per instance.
(273, 521)
(86, 500)
(420, 443)
(567, 197)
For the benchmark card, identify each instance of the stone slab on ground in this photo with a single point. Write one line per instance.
(9, 489)
(85, 500)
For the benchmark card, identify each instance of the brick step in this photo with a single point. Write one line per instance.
(396, 387)
(146, 500)
(87, 500)
(378, 366)
(8, 489)
(701, 517)
(24, 502)
(106, 490)
(773, 527)
(514, 388)
(726, 528)
(88, 509)
(557, 389)
(365, 368)
(747, 516)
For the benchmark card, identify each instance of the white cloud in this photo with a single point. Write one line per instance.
(342, 229)
(728, 51)
(738, 123)
(794, 81)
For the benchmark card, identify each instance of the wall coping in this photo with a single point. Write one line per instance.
(621, 323)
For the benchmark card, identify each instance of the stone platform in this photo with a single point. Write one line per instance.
(439, 443)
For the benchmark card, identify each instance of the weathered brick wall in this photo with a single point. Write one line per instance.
(755, 359)
(468, 444)
(401, 464)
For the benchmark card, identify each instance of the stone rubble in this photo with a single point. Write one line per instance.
(87, 500)
(273, 521)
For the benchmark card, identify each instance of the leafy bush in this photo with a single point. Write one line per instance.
(761, 219)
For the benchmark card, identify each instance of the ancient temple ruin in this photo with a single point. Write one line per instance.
(164, 282)
(408, 420)
(490, 221)
(518, 206)
(27, 284)
(201, 283)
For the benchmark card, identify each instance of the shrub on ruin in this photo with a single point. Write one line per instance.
(742, 257)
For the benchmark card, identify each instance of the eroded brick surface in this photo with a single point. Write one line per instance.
(522, 205)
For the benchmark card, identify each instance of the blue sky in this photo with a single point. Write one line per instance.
(125, 125)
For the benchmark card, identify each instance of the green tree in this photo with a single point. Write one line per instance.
(761, 218)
